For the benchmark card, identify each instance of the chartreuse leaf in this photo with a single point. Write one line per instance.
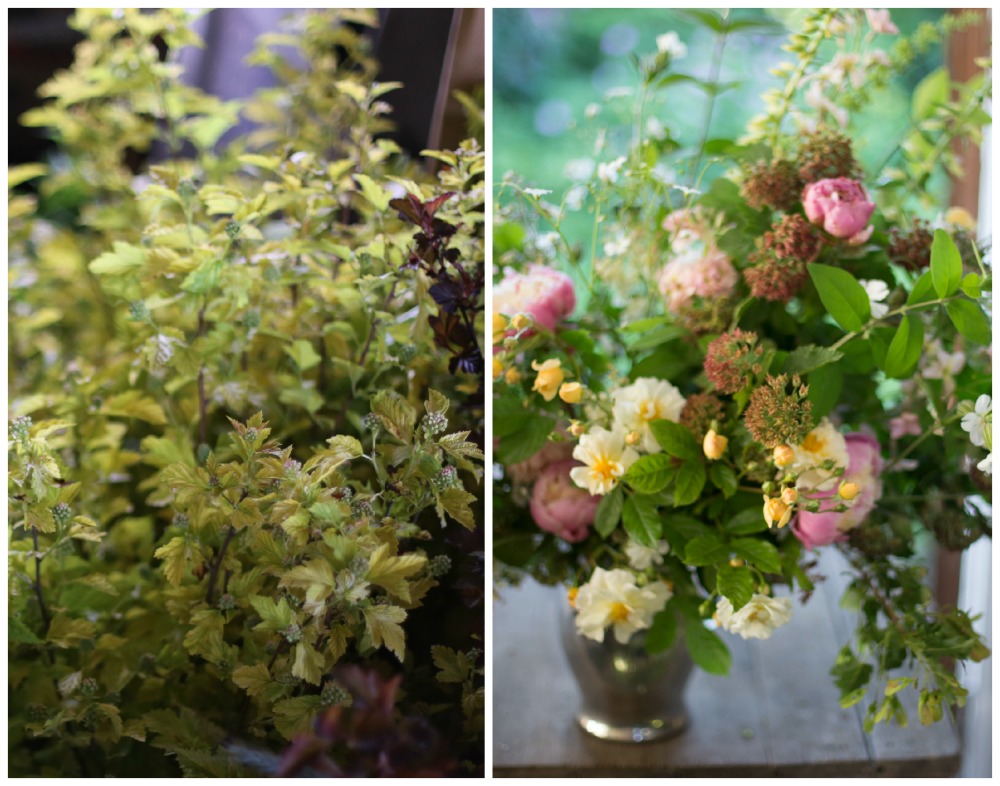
(969, 320)
(373, 192)
(650, 474)
(842, 296)
(391, 572)
(133, 404)
(930, 92)
(707, 650)
(308, 663)
(122, 259)
(905, 348)
(18, 632)
(295, 716)
(609, 512)
(253, 679)
(455, 502)
(641, 521)
(304, 355)
(946, 264)
(384, 628)
(452, 666)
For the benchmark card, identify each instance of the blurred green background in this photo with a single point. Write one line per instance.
(550, 64)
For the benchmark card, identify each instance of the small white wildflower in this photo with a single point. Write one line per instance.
(644, 557)
(671, 44)
(537, 193)
(608, 171)
(877, 291)
(979, 422)
(986, 465)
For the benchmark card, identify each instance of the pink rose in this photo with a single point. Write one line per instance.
(544, 293)
(841, 206)
(864, 468)
(559, 506)
(709, 275)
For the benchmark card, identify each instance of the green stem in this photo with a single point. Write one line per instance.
(917, 442)
(713, 79)
(46, 619)
(895, 313)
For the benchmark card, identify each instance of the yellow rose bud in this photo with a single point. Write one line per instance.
(550, 377)
(576, 429)
(633, 438)
(513, 376)
(571, 596)
(848, 491)
(497, 367)
(790, 496)
(736, 562)
(520, 322)
(960, 217)
(783, 456)
(776, 513)
(499, 327)
(571, 392)
(714, 445)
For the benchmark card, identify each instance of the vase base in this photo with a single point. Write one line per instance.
(648, 731)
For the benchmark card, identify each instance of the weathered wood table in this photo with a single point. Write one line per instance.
(777, 713)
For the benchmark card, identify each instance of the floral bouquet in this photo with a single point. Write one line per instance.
(771, 351)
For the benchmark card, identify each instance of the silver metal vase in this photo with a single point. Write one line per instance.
(628, 694)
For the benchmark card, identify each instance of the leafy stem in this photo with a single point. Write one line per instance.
(213, 575)
(885, 317)
(713, 79)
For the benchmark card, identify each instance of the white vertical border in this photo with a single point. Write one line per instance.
(488, 643)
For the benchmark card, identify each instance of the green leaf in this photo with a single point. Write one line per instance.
(969, 320)
(373, 192)
(663, 631)
(175, 555)
(641, 520)
(904, 350)
(609, 512)
(656, 337)
(295, 716)
(809, 358)
(763, 554)
(723, 478)
(675, 439)
(384, 628)
(390, 572)
(746, 522)
(689, 483)
(395, 413)
(736, 584)
(18, 632)
(133, 404)
(452, 666)
(709, 19)
(124, 258)
(946, 264)
(650, 473)
(706, 550)
(842, 296)
(526, 441)
(972, 286)
(932, 91)
(303, 354)
(923, 290)
(205, 277)
(825, 385)
(455, 502)
(707, 650)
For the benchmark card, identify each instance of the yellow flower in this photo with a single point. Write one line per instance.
(497, 368)
(571, 596)
(714, 445)
(776, 513)
(550, 377)
(571, 392)
(513, 376)
(960, 217)
(520, 322)
(606, 458)
(848, 491)
(499, 327)
(783, 456)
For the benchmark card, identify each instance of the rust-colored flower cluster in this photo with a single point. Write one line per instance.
(732, 360)
(778, 267)
(779, 412)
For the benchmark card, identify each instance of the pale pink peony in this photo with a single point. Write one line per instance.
(880, 21)
(841, 206)
(559, 506)
(864, 468)
(527, 471)
(542, 292)
(709, 275)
